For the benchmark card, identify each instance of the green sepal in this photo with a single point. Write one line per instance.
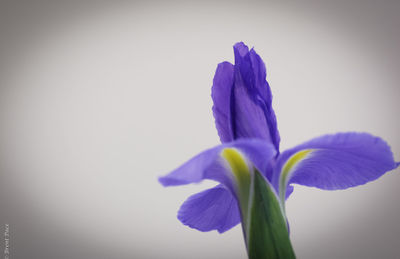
(268, 236)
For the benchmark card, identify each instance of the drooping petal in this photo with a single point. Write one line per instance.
(212, 209)
(230, 164)
(209, 164)
(221, 95)
(334, 162)
(251, 104)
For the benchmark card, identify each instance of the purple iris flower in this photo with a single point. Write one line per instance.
(247, 127)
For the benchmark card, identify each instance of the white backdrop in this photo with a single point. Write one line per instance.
(99, 99)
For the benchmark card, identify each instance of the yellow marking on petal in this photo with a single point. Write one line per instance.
(287, 168)
(237, 163)
(242, 175)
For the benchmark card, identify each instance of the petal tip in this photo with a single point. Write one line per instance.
(169, 181)
(162, 181)
(240, 49)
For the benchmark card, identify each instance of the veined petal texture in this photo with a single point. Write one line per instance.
(221, 95)
(209, 164)
(217, 208)
(252, 111)
(334, 162)
(212, 209)
(243, 100)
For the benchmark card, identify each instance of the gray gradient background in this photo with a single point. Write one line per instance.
(97, 99)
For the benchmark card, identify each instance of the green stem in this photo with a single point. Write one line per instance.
(263, 220)
(267, 236)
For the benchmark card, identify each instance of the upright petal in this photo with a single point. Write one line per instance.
(243, 100)
(334, 162)
(241, 50)
(248, 117)
(212, 209)
(252, 113)
(265, 101)
(221, 95)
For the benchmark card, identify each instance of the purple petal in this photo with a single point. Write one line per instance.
(252, 113)
(241, 50)
(266, 96)
(243, 100)
(216, 208)
(212, 209)
(221, 95)
(289, 191)
(339, 161)
(209, 165)
(248, 116)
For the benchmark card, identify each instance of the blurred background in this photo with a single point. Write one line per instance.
(98, 99)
